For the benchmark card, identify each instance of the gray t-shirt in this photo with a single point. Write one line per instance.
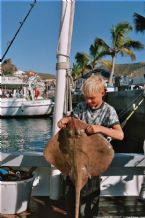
(105, 115)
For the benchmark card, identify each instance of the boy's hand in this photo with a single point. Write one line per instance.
(62, 122)
(91, 129)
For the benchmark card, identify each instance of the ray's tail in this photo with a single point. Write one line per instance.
(78, 187)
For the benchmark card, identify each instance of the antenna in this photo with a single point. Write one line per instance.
(21, 24)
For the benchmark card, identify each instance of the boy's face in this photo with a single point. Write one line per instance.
(94, 100)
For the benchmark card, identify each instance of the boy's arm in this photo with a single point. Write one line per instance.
(114, 132)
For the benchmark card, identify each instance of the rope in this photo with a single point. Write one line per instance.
(62, 65)
(68, 95)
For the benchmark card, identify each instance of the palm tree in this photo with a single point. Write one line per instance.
(139, 22)
(97, 52)
(82, 63)
(121, 43)
(86, 62)
(76, 71)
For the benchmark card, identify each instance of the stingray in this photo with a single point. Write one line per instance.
(79, 155)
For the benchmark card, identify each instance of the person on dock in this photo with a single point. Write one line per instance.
(103, 119)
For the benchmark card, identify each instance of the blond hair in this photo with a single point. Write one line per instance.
(93, 85)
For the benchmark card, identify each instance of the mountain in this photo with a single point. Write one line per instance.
(132, 70)
(43, 76)
(46, 76)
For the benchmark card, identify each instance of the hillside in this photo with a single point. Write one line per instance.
(136, 69)
(46, 76)
(132, 70)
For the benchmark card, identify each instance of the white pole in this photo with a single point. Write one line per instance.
(62, 60)
(61, 66)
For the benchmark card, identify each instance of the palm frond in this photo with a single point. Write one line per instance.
(98, 50)
(134, 44)
(139, 22)
(76, 71)
(106, 64)
(126, 51)
(118, 32)
(80, 57)
(102, 43)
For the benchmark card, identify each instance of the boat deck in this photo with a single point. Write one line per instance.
(42, 207)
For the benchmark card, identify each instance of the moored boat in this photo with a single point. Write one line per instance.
(11, 107)
(19, 98)
(130, 106)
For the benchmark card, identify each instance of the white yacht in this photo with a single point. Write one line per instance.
(17, 98)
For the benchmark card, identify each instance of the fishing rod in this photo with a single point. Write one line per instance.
(132, 112)
(21, 24)
(134, 101)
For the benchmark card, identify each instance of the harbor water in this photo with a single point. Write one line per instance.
(28, 134)
(32, 134)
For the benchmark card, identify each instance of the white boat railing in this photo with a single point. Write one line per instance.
(123, 178)
(11, 80)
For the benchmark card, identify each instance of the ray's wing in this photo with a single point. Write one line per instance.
(100, 154)
(54, 155)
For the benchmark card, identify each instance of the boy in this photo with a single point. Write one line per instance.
(102, 119)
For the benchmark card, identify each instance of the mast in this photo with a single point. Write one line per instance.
(63, 54)
(63, 64)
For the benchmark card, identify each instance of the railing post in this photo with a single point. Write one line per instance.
(142, 190)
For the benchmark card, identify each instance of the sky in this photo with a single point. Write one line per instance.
(36, 44)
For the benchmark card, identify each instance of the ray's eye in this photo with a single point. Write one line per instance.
(71, 132)
(80, 132)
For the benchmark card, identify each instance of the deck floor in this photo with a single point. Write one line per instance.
(42, 207)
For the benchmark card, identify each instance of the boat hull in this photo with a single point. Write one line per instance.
(130, 106)
(12, 107)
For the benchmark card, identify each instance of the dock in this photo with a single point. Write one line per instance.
(120, 187)
(42, 207)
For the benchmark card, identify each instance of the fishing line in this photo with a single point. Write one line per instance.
(21, 24)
